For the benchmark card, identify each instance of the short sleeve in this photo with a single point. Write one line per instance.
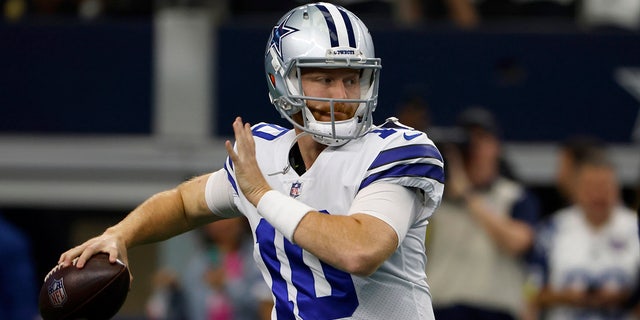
(219, 195)
(394, 204)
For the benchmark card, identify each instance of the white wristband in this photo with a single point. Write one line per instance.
(283, 212)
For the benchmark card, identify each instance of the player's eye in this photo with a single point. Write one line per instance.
(320, 79)
(351, 82)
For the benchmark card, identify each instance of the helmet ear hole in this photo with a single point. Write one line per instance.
(272, 78)
(293, 82)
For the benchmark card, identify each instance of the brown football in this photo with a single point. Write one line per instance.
(97, 291)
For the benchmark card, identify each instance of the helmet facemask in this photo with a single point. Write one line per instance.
(333, 132)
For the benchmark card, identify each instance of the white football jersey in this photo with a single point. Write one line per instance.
(574, 255)
(305, 287)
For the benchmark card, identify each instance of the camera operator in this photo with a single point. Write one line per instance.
(482, 230)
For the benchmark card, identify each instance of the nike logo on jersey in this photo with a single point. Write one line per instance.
(411, 136)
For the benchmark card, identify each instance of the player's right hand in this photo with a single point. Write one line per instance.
(247, 171)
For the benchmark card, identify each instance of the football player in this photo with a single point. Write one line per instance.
(337, 205)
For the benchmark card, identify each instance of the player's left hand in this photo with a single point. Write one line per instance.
(248, 175)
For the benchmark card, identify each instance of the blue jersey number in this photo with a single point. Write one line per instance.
(343, 300)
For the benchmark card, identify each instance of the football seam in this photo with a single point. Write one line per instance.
(95, 294)
(53, 270)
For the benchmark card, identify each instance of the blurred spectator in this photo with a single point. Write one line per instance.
(587, 255)
(18, 290)
(221, 282)
(13, 10)
(633, 303)
(167, 301)
(238, 288)
(482, 230)
(463, 13)
(573, 151)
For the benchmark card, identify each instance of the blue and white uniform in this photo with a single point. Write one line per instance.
(305, 287)
(570, 253)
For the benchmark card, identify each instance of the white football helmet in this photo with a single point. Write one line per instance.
(321, 35)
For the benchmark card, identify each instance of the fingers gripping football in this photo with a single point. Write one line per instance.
(106, 243)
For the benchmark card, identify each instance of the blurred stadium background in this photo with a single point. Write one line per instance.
(106, 102)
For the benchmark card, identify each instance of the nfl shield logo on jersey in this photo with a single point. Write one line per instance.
(295, 189)
(57, 294)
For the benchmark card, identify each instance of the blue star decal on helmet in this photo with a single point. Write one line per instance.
(280, 31)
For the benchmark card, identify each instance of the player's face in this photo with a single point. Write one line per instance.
(331, 83)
